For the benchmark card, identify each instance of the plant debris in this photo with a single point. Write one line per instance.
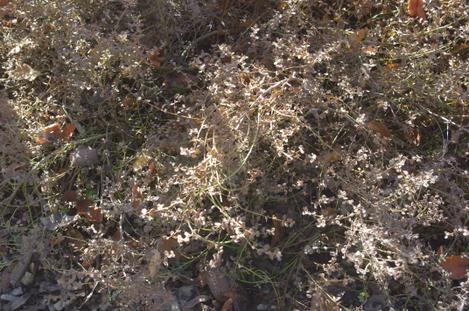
(293, 154)
(456, 266)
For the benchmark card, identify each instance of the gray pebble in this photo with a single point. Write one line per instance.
(17, 291)
(84, 156)
(27, 279)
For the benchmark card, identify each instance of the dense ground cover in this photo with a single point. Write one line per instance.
(234, 155)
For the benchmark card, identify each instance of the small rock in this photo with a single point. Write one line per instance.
(186, 293)
(7, 297)
(59, 305)
(375, 303)
(174, 307)
(19, 302)
(17, 291)
(84, 156)
(27, 279)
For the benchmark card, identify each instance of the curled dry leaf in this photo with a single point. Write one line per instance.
(49, 134)
(87, 209)
(28, 247)
(414, 136)
(370, 50)
(462, 50)
(70, 196)
(379, 128)
(278, 233)
(415, 8)
(330, 157)
(456, 266)
(226, 59)
(95, 215)
(67, 131)
(391, 66)
(151, 168)
(54, 132)
(75, 238)
(228, 305)
(224, 289)
(129, 102)
(218, 282)
(117, 235)
(360, 35)
(155, 263)
(83, 205)
(134, 244)
(180, 80)
(168, 245)
(155, 59)
(137, 197)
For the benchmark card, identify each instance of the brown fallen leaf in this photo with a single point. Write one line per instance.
(54, 132)
(379, 128)
(67, 131)
(330, 157)
(28, 247)
(155, 263)
(88, 262)
(70, 196)
(155, 59)
(219, 283)
(415, 8)
(169, 244)
(117, 235)
(4, 2)
(137, 197)
(462, 50)
(456, 266)
(391, 66)
(75, 238)
(228, 305)
(226, 59)
(414, 136)
(49, 134)
(134, 244)
(357, 38)
(83, 205)
(370, 50)
(95, 215)
(180, 80)
(224, 289)
(86, 208)
(152, 168)
(278, 233)
(129, 102)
